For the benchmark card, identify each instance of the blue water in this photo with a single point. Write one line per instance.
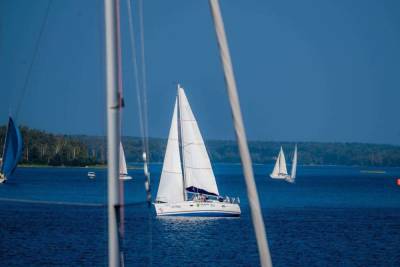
(332, 216)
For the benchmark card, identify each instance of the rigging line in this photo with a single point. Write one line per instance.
(146, 155)
(256, 215)
(103, 139)
(120, 208)
(141, 94)
(36, 50)
(144, 85)
(136, 72)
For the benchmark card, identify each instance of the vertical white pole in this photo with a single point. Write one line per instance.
(256, 215)
(113, 130)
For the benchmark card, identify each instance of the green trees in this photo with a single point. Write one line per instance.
(78, 150)
(48, 149)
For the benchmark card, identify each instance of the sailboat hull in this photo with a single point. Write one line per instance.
(281, 177)
(125, 177)
(198, 209)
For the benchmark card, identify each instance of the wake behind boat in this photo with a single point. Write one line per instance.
(12, 151)
(187, 184)
(280, 170)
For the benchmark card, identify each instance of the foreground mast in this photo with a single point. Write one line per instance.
(256, 215)
(113, 129)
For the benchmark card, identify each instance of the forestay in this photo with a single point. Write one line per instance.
(199, 176)
(171, 182)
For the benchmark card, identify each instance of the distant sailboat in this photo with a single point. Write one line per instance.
(123, 170)
(12, 151)
(294, 166)
(280, 170)
(187, 184)
(91, 175)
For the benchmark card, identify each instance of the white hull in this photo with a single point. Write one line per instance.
(197, 208)
(280, 176)
(287, 178)
(125, 177)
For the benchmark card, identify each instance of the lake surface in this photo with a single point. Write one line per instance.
(332, 216)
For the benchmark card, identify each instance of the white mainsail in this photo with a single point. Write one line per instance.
(171, 182)
(123, 170)
(294, 164)
(198, 172)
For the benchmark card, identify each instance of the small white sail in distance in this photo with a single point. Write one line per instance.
(280, 170)
(294, 166)
(123, 170)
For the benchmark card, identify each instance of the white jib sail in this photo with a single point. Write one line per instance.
(275, 172)
(294, 164)
(197, 165)
(171, 181)
(123, 170)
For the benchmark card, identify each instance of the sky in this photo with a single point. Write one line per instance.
(325, 71)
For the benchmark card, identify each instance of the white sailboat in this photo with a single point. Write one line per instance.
(187, 184)
(280, 170)
(123, 170)
(294, 166)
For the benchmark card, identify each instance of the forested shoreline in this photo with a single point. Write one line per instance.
(43, 148)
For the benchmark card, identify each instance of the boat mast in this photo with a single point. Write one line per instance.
(180, 133)
(256, 215)
(113, 129)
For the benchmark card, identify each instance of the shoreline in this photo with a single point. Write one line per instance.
(135, 166)
(72, 167)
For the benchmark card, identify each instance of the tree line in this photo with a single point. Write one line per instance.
(45, 148)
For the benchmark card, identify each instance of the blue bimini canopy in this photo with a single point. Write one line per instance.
(193, 189)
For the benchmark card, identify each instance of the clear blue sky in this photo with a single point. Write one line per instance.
(306, 70)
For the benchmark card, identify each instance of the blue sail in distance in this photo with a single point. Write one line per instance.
(12, 149)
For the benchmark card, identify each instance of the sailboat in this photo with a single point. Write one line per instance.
(280, 170)
(187, 183)
(294, 167)
(12, 151)
(123, 170)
